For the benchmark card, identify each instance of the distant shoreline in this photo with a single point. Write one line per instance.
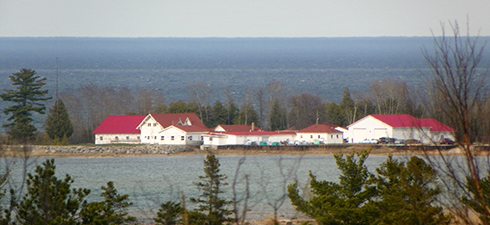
(41, 151)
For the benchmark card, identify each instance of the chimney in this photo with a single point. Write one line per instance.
(253, 126)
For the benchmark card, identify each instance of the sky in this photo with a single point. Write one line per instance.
(239, 18)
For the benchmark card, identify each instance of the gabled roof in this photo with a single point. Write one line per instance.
(119, 125)
(435, 125)
(398, 120)
(261, 133)
(237, 128)
(405, 120)
(320, 128)
(188, 129)
(168, 119)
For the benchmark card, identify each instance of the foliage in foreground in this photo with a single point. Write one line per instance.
(400, 193)
(50, 200)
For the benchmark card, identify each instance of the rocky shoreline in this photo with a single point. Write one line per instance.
(99, 150)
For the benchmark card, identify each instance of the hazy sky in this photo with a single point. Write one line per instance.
(238, 18)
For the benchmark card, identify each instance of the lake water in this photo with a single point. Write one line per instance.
(150, 181)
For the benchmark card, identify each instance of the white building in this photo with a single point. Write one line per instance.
(399, 126)
(172, 129)
(118, 130)
(248, 138)
(320, 134)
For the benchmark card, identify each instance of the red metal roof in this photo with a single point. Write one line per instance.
(260, 133)
(238, 128)
(435, 125)
(119, 125)
(192, 128)
(167, 119)
(319, 128)
(405, 120)
(398, 120)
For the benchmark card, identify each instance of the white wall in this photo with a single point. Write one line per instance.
(150, 130)
(333, 138)
(117, 139)
(369, 128)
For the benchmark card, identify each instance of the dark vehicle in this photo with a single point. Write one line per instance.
(447, 141)
(386, 140)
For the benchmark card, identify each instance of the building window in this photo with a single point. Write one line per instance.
(202, 138)
(210, 138)
(172, 138)
(117, 138)
(300, 136)
(189, 137)
(331, 136)
(162, 138)
(182, 138)
(138, 137)
(127, 137)
(337, 136)
(101, 138)
(155, 137)
(311, 136)
(154, 124)
(149, 124)
(318, 136)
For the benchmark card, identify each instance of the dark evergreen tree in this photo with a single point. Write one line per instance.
(26, 99)
(211, 204)
(348, 107)
(49, 200)
(247, 115)
(219, 115)
(170, 213)
(277, 117)
(111, 211)
(408, 193)
(58, 124)
(335, 114)
(346, 202)
(231, 112)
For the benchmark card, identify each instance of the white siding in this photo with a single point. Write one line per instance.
(150, 130)
(117, 139)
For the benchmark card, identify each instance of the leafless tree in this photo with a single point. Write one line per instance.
(457, 90)
(276, 196)
(392, 96)
(306, 109)
(200, 94)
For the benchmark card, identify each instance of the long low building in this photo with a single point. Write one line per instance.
(398, 126)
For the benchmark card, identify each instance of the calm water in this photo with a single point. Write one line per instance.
(152, 180)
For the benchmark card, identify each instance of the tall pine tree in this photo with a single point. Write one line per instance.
(212, 205)
(58, 124)
(26, 99)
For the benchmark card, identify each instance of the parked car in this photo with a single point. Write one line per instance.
(369, 141)
(386, 140)
(447, 141)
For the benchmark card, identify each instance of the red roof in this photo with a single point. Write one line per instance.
(320, 128)
(435, 125)
(260, 133)
(238, 128)
(405, 120)
(192, 128)
(119, 125)
(167, 119)
(398, 120)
